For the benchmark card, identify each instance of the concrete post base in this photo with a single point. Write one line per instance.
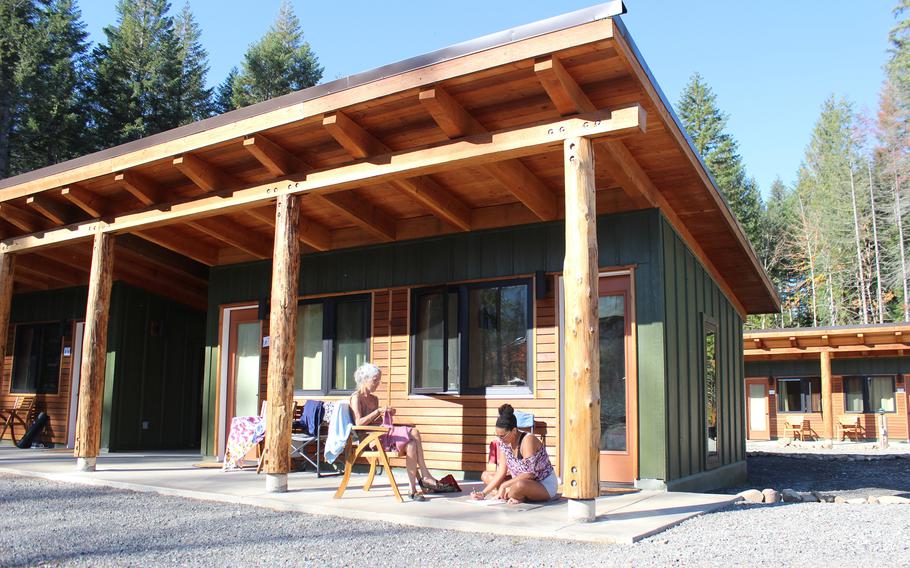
(276, 482)
(582, 510)
(85, 464)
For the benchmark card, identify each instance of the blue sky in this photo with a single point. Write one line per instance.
(771, 65)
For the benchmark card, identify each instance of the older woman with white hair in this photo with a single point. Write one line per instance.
(403, 439)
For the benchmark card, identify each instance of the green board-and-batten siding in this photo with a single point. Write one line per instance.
(624, 239)
(690, 295)
(841, 367)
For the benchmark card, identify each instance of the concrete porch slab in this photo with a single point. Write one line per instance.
(623, 518)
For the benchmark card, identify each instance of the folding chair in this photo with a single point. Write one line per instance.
(21, 412)
(301, 441)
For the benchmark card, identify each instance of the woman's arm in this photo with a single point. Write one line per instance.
(361, 419)
(501, 473)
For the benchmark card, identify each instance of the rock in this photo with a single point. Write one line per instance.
(872, 500)
(791, 496)
(751, 495)
(771, 496)
(809, 497)
(893, 500)
(823, 497)
(840, 500)
(856, 501)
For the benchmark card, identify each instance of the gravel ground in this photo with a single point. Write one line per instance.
(49, 524)
(821, 448)
(889, 475)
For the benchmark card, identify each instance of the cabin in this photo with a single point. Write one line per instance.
(842, 383)
(518, 218)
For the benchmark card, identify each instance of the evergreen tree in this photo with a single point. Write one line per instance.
(224, 94)
(706, 125)
(193, 99)
(898, 66)
(280, 63)
(18, 20)
(51, 123)
(134, 74)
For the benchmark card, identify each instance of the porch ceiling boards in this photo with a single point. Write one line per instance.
(235, 165)
(881, 340)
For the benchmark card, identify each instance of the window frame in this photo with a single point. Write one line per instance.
(33, 389)
(329, 335)
(865, 393)
(805, 394)
(708, 323)
(462, 290)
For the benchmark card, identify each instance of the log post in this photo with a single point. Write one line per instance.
(94, 353)
(6, 300)
(827, 402)
(283, 334)
(582, 354)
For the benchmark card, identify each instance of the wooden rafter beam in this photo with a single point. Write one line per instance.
(361, 144)
(567, 96)
(309, 232)
(470, 151)
(277, 160)
(56, 212)
(49, 266)
(189, 248)
(24, 220)
(228, 233)
(206, 176)
(362, 213)
(139, 187)
(163, 258)
(456, 122)
(84, 199)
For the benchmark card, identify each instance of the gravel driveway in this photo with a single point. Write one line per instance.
(49, 524)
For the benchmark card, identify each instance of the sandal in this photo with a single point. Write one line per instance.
(417, 496)
(429, 486)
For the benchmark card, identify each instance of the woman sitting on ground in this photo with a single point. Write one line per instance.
(403, 439)
(523, 471)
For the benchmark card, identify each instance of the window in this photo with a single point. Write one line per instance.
(333, 339)
(36, 358)
(869, 394)
(711, 386)
(799, 394)
(472, 338)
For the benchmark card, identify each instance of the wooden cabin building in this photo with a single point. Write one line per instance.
(836, 382)
(519, 218)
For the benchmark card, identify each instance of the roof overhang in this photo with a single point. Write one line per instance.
(876, 340)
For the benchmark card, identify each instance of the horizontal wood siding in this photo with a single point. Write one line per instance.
(691, 293)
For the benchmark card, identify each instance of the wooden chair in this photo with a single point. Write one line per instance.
(370, 448)
(21, 412)
(796, 427)
(849, 425)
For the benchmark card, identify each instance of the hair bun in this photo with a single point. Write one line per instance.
(506, 409)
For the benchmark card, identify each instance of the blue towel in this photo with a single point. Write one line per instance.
(312, 417)
(339, 430)
(524, 419)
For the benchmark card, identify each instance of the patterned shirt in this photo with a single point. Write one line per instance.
(538, 464)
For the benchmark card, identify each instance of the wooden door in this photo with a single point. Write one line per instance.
(757, 413)
(618, 381)
(244, 347)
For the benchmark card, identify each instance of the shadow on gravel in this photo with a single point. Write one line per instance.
(805, 472)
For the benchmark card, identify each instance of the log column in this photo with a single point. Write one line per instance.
(94, 353)
(283, 335)
(582, 353)
(827, 402)
(6, 301)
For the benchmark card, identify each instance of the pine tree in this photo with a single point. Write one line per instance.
(134, 74)
(18, 21)
(224, 94)
(51, 125)
(898, 66)
(192, 98)
(706, 125)
(280, 63)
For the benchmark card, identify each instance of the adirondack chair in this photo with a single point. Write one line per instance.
(21, 412)
(849, 425)
(369, 447)
(796, 427)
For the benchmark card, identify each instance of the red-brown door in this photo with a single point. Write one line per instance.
(244, 347)
(757, 410)
(618, 381)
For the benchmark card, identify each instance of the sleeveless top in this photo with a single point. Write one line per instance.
(538, 464)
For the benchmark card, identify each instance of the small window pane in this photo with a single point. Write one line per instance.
(881, 394)
(612, 327)
(36, 358)
(454, 345)
(351, 341)
(814, 392)
(498, 330)
(711, 391)
(789, 395)
(853, 398)
(308, 355)
(430, 342)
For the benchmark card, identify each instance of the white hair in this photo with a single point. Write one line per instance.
(365, 373)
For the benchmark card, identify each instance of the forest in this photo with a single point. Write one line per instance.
(833, 241)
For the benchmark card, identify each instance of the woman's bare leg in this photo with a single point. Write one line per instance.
(411, 464)
(418, 442)
(527, 490)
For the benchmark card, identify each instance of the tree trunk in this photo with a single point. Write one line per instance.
(805, 223)
(899, 215)
(878, 270)
(859, 254)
